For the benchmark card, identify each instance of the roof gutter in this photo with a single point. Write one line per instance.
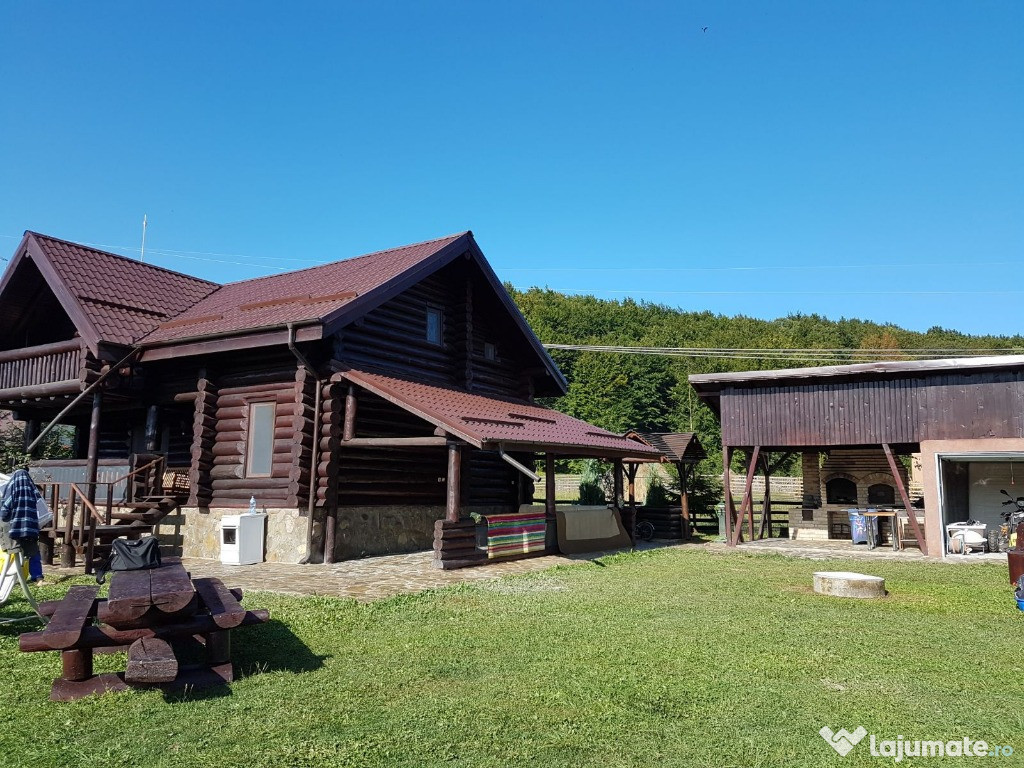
(314, 457)
(227, 334)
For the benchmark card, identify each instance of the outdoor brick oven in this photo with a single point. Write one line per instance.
(848, 478)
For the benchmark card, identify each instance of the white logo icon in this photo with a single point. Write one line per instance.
(842, 741)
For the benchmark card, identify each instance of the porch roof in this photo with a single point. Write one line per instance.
(498, 422)
(674, 446)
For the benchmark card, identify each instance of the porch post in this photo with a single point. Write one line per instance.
(454, 499)
(93, 455)
(549, 501)
(631, 471)
(31, 430)
(684, 497)
(349, 427)
(727, 493)
(766, 509)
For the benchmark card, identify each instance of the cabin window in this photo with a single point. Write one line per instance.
(839, 490)
(490, 351)
(881, 493)
(434, 325)
(259, 459)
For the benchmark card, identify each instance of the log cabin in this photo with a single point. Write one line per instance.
(373, 405)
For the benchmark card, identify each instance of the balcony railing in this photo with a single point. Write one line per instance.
(40, 371)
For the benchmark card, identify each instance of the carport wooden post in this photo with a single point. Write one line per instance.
(727, 493)
(453, 509)
(747, 506)
(766, 509)
(914, 526)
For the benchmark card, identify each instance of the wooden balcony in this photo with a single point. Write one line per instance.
(44, 371)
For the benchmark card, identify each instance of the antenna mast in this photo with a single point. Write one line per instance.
(142, 253)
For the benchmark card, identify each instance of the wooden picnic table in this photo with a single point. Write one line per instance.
(154, 613)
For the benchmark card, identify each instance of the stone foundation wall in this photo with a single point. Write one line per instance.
(360, 532)
(386, 530)
(285, 538)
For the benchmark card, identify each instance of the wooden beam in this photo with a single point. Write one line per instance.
(453, 510)
(747, 506)
(914, 526)
(394, 442)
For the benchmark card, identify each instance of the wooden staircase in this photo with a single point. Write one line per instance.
(88, 529)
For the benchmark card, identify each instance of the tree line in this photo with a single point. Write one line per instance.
(624, 391)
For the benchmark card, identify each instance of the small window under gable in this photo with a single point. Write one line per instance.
(490, 351)
(259, 454)
(435, 325)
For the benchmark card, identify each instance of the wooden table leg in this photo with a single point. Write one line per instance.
(76, 664)
(218, 648)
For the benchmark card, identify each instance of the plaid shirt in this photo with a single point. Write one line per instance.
(18, 507)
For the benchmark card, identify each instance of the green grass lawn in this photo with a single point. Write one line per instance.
(671, 657)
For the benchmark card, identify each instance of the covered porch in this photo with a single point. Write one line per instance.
(419, 450)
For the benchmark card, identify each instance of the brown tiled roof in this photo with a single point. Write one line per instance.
(306, 295)
(487, 420)
(124, 299)
(675, 446)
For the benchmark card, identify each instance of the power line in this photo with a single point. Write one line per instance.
(818, 292)
(792, 355)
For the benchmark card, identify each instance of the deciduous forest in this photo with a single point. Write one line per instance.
(649, 392)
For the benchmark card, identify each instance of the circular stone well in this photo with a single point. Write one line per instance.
(847, 584)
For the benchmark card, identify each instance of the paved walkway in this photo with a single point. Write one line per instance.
(845, 550)
(375, 577)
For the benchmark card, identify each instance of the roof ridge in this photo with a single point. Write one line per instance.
(452, 237)
(122, 258)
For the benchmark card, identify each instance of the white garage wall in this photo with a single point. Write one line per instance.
(986, 480)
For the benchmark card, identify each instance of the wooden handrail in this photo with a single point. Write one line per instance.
(158, 460)
(86, 504)
(27, 353)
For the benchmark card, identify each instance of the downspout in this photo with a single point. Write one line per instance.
(314, 458)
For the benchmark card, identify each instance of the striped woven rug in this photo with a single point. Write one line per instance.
(515, 534)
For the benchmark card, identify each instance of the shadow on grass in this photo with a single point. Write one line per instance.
(272, 647)
(256, 650)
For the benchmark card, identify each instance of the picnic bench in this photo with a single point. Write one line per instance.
(156, 614)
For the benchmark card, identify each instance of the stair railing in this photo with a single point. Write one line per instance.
(86, 528)
(152, 475)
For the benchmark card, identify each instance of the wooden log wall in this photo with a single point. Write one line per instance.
(302, 446)
(204, 422)
(229, 484)
(377, 475)
(115, 435)
(491, 481)
(393, 337)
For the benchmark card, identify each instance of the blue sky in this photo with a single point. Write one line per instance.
(857, 159)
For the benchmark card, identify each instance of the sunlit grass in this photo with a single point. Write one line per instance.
(671, 657)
